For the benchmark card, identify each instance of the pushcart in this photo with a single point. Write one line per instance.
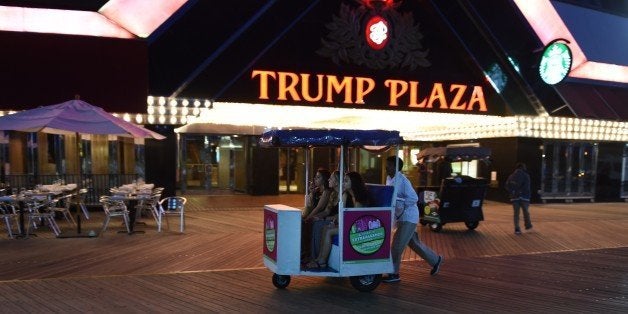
(361, 250)
(457, 199)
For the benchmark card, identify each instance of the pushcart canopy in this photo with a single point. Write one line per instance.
(467, 153)
(329, 137)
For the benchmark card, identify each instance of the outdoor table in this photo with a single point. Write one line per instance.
(57, 189)
(19, 200)
(131, 200)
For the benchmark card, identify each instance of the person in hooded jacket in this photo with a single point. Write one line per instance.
(518, 187)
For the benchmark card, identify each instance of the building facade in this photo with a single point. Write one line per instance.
(442, 73)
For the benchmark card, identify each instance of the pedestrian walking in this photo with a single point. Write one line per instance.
(407, 217)
(518, 186)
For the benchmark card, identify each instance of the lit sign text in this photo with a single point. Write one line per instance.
(289, 86)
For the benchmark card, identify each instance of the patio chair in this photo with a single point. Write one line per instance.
(63, 207)
(38, 209)
(172, 206)
(78, 200)
(8, 213)
(150, 204)
(114, 208)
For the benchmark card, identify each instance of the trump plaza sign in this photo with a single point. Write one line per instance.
(354, 91)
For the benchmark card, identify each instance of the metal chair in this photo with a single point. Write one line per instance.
(114, 208)
(63, 206)
(172, 206)
(150, 204)
(7, 213)
(38, 208)
(78, 200)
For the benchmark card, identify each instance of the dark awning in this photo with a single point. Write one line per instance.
(595, 101)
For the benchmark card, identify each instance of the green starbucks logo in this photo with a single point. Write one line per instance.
(366, 235)
(555, 62)
(269, 234)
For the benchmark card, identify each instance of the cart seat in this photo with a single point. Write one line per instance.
(380, 195)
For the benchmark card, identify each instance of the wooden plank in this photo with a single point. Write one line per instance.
(573, 260)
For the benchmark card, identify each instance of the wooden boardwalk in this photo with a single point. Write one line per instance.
(574, 260)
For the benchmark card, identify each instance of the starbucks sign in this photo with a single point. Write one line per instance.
(555, 62)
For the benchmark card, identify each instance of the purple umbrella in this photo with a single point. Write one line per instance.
(74, 116)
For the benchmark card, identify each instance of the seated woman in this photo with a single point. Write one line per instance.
(318, 196)
(316, 202)
(322, 218)
(354, 195)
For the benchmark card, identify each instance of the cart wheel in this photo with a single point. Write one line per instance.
(366, 283)
(281, 281)
(436, 227)
(472, 224)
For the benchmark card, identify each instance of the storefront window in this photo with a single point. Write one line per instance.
(371, 165)
(568, 170)
(465, 168)
(290, 174)
(202, 160)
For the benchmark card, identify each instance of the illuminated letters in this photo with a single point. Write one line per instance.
(263, 81)
(334, 86)
(305, 88)
(363, 90)
(455, 103)
(326, 85)
(290, 86)
(397, 89)
(477, 97)
(287, 84)
(437, 94)
(395, 93)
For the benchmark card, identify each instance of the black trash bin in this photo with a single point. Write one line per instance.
(461, 200)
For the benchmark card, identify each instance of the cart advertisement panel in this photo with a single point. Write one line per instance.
(366, 236)
(270, 235)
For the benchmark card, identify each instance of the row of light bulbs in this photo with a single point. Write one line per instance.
(153, 119)
(535, 127)
(162, 110)
(569, 121)
(173, 102)
(163, 106)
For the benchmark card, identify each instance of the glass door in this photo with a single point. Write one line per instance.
(201, 162)
(568, 170)
(291, 170)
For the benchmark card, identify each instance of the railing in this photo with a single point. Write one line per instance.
(96, 184)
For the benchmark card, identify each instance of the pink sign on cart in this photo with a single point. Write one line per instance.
(366, 235)
(270, 235)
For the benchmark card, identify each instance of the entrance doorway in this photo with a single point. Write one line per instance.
(569, 170)
(291, 170)
(213, 163)
(201, 162)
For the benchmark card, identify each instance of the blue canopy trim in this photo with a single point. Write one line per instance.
(331, 137)
(453, 154)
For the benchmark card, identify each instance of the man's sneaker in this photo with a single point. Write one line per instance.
(436, 266)
(517, 231)
(391, 278)
(529, 227)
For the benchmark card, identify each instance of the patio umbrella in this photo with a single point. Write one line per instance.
(74, 116)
